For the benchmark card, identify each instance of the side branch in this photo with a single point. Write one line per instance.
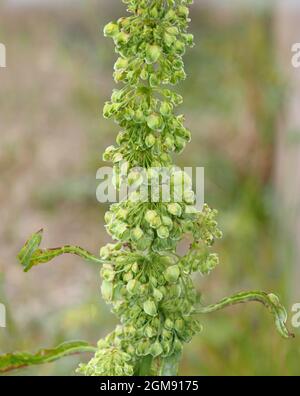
(17, 360)
(270, 301)
(31, 255)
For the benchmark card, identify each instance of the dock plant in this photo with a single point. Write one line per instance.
(148, 284)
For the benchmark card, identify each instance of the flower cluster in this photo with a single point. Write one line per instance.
(152, 296)
(151, 44)
(107, 360)
(148, 284)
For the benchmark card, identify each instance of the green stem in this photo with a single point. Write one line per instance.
(169, 366)
(145, 366)
(270, 301)
(17, 360)
(31, 255)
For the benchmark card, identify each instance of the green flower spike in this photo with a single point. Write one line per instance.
(148, 285)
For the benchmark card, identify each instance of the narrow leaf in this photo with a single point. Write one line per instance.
(31, 255)
(270, 301)
(13, 361)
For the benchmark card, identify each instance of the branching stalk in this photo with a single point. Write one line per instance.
(270, 301)
(30, 255)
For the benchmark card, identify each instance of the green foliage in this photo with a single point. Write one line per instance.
(149, 286)
(144, 279)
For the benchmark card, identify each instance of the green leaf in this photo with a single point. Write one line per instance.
(16, 360)
(270, 301)
(31, 255)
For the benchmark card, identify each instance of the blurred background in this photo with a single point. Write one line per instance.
(241, 103)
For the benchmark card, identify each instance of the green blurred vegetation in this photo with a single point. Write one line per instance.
(232, 97)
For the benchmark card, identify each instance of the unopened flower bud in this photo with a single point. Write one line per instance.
(166, 334)
(175, 209)
(170, 15)
(165, 109)
(189, 197)
(128, 276)
(169, 324)
(172, 30)
(157, 295)
(156, 349)
(111, 29)
(154, 12)
(150, 331)
(107, 290)
(179, 47)
(117, 157)
(108, 217)
(121, 63)
(177, 346)
(183, 11)
(135, 268)
(189, 39)
(156, 223)
(104, 252)
(122, 214)
(169, 39)
(121, 38)
(143, 348)
(107, 272)
(169, 142)
(154, 81)
(163, 232)
(150, 308)
(179, 325)
(137, 233)
(172, 273)
(150, 140)
(133, 286)
(150, 215)
(153, 52)
(144, 74)
(154, 121)
(107, 110)
(139, 115)
(167, 221)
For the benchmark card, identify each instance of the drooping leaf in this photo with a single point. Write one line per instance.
(270, 301)
(31, 255)
(16, 360)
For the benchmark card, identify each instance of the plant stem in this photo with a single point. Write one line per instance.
(169, 366)
(144, 368)
(270, 301)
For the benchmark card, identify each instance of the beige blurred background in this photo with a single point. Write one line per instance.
(241, 103)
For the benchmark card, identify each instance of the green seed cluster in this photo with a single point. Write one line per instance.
(150, 44)
(108, 360)
(148, 284)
